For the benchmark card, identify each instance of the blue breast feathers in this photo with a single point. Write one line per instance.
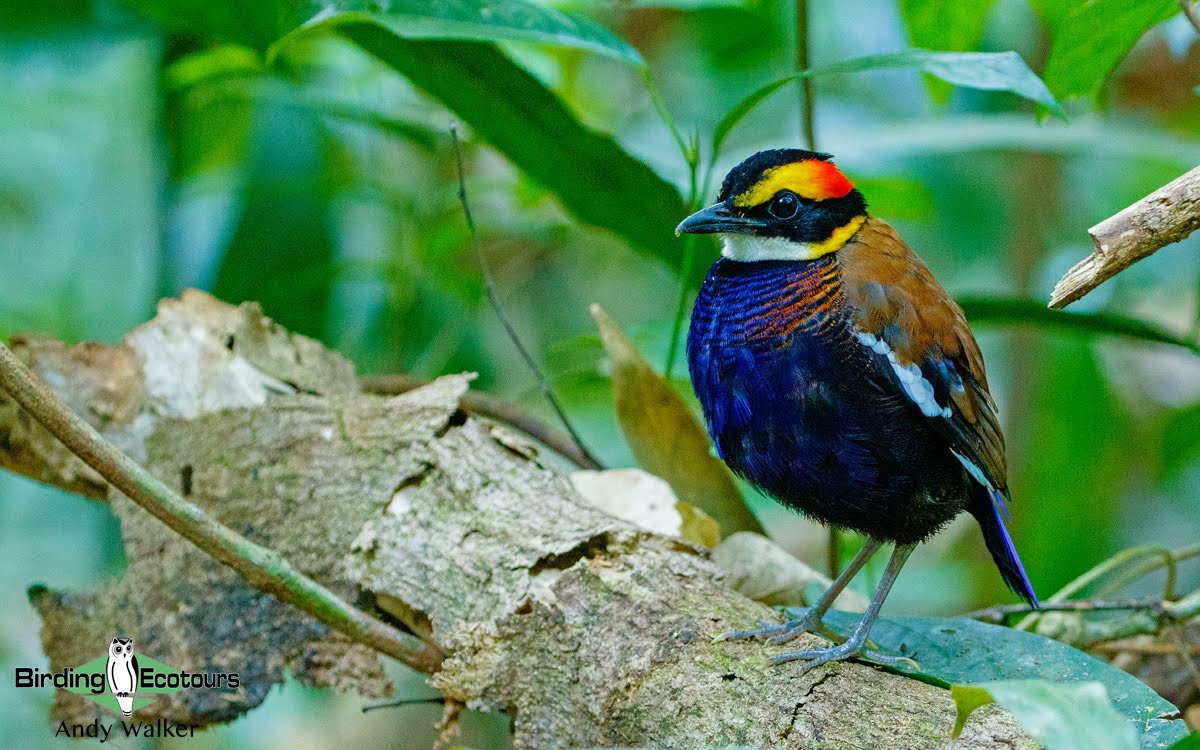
(798, 406)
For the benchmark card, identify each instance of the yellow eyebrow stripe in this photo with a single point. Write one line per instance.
(812, 179)
(839, 237)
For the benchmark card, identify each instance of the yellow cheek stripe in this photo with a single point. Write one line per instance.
(812, 179)
(837, 239)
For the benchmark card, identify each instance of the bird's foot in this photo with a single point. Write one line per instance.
(841, 652)
(777, 634)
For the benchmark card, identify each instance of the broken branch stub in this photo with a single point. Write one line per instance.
(1166, 216)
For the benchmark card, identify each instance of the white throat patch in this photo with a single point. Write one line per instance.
(748, 248)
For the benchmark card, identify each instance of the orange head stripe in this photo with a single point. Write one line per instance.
(812, 178)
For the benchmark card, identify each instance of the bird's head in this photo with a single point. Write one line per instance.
(783, 204)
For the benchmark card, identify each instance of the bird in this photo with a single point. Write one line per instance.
(122, 672)
(837, 376)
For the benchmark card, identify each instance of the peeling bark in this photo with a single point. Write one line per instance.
(586, 629)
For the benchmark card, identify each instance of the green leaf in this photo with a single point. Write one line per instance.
(665, 437)
(961, 651)
(1076, 716)
(1014, 311)
(1191, 742)
(282, 251)
(473, 20)
(1053, 12)
(266, 91)
(593, 177)
(951, 25)
(958, 134)
(253, 23)
(1093, 37)
(214, 63)
(990, 71)
(1180, 441)
(955, 25)
(269, 25)
(749, 5)
(14, 16)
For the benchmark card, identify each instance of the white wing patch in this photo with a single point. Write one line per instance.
(914, 383)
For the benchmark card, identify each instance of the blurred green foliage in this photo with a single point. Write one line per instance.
(295, 153)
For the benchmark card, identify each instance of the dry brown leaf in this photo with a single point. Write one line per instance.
(632, 495)
(646, 501)
(696, 526)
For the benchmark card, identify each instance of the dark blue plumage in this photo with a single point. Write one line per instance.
(799, 408)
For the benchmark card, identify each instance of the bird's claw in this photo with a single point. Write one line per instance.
(821, 629)
(764, 630)
(782, 633)
(842, 652)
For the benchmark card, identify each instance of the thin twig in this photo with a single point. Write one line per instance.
(489, 288)
(1098, 572)
(808, 103)
(807, 124)
(1168, 559)
(681, 306)
(1000, 614)
(691, 155)
(1193, 15)
(1183, 648)
(448, 727)
(403, 702)
(487, 405)
(263, 568)
(1150, 648)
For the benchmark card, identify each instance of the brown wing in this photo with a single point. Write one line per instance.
(894, 298)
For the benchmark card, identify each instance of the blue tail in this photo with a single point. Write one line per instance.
(986, 506)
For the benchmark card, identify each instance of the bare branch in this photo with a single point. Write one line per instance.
(998, 615)
(1137, 646)
(1166, 216)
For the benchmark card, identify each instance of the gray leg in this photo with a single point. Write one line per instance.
(855, 644)
(811, 621)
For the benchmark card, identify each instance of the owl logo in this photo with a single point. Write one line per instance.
(122, 673)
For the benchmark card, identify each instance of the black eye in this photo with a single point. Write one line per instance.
(784, 206)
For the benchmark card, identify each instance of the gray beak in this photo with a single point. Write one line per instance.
(717, 218)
